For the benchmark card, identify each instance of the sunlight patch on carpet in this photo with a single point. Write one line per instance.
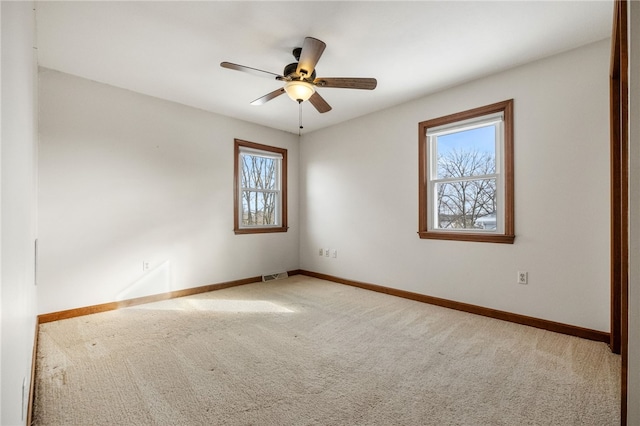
(216, 305)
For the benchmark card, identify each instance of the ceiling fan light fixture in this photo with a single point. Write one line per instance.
(299, 91)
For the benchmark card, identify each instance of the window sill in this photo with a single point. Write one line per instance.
(458, 236)
(260, 230)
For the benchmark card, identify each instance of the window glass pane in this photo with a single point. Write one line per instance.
(468, 204)
(467, 153)
(259, 172)
(258, 208)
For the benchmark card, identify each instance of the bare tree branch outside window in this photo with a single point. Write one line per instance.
(467, 191)
(260, 190)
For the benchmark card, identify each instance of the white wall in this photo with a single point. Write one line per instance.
(18, 224)
(125, 178)
(359, 195)
(633, 373)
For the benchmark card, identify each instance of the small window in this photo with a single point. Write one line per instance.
(260, 188)
(466, 175)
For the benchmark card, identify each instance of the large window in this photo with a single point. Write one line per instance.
(260, 188)
(466, 175)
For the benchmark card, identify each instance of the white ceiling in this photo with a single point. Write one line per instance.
(172, 50)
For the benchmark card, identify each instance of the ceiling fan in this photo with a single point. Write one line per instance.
(300, 79)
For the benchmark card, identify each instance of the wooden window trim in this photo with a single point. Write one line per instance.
(619, 149)
(508, 237)
(238, 143)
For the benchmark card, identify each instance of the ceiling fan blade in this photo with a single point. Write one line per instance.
(250, 70)
(319, 102)
(266, 98)
(312, 49)
(347, 83)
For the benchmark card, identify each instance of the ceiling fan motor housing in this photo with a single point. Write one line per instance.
(291, 71)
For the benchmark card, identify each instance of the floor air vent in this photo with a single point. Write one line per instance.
(271, 277)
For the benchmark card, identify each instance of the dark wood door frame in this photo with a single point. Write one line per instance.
(619, 108)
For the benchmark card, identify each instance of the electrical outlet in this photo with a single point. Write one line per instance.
(320, 251)
(145, 266)
(523, 277)
(326, 252)
(334, 253)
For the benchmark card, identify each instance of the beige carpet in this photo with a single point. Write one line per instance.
(303, 351)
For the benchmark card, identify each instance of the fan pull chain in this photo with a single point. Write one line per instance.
(300, 117)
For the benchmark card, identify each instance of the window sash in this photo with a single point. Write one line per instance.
(278, 170)
(432, 144)
(260, 211)
(436, 213)
(246, 151)
(462, 179)
(432, 134)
